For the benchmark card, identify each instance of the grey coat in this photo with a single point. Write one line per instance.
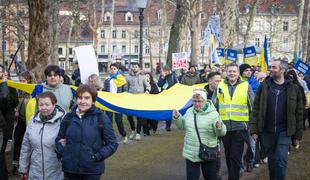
(38, 144)
(137, 83)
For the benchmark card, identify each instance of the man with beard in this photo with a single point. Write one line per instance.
(136, 84)
(277, 116)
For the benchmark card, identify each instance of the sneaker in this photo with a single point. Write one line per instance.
(132, 135)
(125, 140)
(168, 129)
(256, 165)
(265, 160)
(249, 168)
(138, 137)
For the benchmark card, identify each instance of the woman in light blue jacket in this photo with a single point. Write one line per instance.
(38, 159)
(209, 127)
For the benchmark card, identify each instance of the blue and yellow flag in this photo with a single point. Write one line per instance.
(231, 56)
(263, 60)
(150, 106)
(250, 56)
(221, 55)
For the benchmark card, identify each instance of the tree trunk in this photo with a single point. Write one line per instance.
(38, 50)
(305, 30)
(228, 24)
(68, 43)
(250, 23)
(53, 32)
(179, 22)
(299, 25)
(194, 32)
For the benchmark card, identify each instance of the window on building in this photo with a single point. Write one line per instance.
(102, 34)
(114, 48)
(128, 17)
(70, 51)
(124, 49)
(114, 34)
(285, 42)
(136, 33)
(147, 50)
(136, 49)
(146, 31)
(123, 34)
(159, 14)
(107, 16)
(147, 65)
(202, 50)
(60, 51)
(102, 49)
(202, 15)
(257, 42)
(285, 25)
(202, 34)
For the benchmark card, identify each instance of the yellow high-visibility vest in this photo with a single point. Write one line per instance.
(233, 108)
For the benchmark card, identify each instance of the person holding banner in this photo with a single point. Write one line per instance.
(202, 118)
(136, 84)
(166, 80)
(115, 84)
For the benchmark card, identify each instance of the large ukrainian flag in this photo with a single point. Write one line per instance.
(155, 107)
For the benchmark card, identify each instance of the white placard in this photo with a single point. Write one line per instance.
(87, 60)
(179, 60)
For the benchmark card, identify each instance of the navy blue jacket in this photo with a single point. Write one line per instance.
(85, 149)
(171, 79)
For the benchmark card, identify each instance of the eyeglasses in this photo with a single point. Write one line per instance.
(198, 101)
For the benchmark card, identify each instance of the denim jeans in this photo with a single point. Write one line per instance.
(249, 157)
(276, 146)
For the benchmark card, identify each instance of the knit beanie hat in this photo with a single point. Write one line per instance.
(243, 67)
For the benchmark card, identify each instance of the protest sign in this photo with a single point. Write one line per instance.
(179, 60)
(86, 57)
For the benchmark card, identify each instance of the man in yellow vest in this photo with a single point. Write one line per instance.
(234, 99)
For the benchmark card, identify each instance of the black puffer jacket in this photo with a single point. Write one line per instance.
(8, 105)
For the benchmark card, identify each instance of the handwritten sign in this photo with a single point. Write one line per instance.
(179, 60)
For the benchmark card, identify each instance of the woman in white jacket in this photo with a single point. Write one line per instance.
(38, 160)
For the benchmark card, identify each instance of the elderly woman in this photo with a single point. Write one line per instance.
(209, 127)
(86, 138)
(38, 159)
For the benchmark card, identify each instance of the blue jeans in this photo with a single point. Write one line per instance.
(250, 153)
(276, 146)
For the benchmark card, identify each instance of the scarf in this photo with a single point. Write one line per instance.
(118, 79)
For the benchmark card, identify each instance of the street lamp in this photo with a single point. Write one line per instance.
(141, 5)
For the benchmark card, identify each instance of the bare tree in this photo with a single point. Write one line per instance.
(94, 22)
(228, 23)
(250, 22)
(179, 22)
(299, 26)
(194, 15)
(305, 31)
(38, 49)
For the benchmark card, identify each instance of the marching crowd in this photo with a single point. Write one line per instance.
(68, 137)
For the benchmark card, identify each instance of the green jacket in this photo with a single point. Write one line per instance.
(294, 110)
(63, 95)
(206, 123)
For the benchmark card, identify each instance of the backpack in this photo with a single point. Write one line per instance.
(68, 118)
